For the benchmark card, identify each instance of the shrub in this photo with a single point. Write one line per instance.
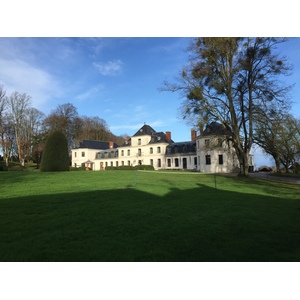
(144, 167)
(3, 168)
(55, 157)
(139, 167)
(77, 169)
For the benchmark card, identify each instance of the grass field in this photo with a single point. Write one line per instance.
(146, 216)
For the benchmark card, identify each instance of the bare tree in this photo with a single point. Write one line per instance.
(279, 136)
(231, 80)
(32, 128)
(3, 106)
(18, 105)
(93, 128)
(63, 119)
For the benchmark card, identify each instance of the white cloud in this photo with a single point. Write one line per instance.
(110, 68)
(91, 93)
(17, 75)
(157, 124)
(133, 127)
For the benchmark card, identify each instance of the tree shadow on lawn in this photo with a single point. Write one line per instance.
(200, 224)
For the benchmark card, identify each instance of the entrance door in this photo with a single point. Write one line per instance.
(184, 163)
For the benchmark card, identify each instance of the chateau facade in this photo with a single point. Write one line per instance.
(209, 152)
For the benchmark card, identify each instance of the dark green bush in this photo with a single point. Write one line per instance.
(55, 156)
(77, 169)
(139, 167)
(144, 167)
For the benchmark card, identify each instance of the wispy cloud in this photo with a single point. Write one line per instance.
(109, 68)
(133, 127)
(18, 75)
(90, 93)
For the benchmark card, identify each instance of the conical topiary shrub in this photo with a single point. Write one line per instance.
(55, 156)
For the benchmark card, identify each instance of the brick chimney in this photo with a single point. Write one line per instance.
(127, 138)
(193, 135)
(168, 136)
(111, 145)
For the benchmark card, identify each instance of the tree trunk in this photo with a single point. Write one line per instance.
(22, 161)
(244, 164)
(277, 163)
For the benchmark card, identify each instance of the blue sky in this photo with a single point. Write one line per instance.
(116, 79)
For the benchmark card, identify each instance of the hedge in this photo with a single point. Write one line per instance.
(139, 167)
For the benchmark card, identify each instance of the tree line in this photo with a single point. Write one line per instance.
(24, 129)
(239, 82)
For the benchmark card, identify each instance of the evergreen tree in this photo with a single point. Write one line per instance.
(55, 156)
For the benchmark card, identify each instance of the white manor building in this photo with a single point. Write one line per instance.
(208, 152)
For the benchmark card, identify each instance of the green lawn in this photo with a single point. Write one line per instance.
(146, 216)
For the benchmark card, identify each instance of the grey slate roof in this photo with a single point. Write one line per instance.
(156, 137)
(97, 145)
(181, 147)
(215, 128)
(145, 130)
(159, 137)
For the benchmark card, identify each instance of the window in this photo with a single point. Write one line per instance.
(128, 152)
(139, 141)
(122, 153)
(169, 162)
(106, 164)
(158, 149)
(195, 161)
(122, 163)
(117, 163)
(151, 162)
(140, 162)
(139, 152)
(111, 164)
(220, 159)
(82, 154)
(151, 150)
(159, 163)
(207, 159)
(176, 162)
(75, 154)
(128, 162)
(206, 142)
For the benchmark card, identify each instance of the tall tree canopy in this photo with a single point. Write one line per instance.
(63, 119)
(280, 137)
(233, 81)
